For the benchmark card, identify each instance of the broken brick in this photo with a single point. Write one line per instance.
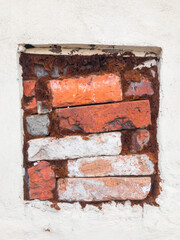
(29, 88)
(144, 87)
(43, 107)
(139, 139)
(41, 181)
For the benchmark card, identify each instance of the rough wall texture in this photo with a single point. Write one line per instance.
(98, 105)
(140, 23)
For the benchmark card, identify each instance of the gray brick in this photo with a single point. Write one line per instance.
(37, 125)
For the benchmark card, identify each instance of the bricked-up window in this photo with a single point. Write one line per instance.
(90, 126)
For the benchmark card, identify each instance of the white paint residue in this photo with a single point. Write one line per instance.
(148, 64)
(56, 85)
(146, 189)
(71, 147)
(139, 164)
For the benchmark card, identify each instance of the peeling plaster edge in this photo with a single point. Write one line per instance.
(85, 49)
(20, 80)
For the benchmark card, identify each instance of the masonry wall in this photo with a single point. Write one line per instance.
(92, 121)
(134, 23)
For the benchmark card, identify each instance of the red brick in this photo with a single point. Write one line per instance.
(86, 90)
(103, 189)
(41, 181)
(144, 87)
(30, 106)
(29, 88)
(139, 139)
(103, 118)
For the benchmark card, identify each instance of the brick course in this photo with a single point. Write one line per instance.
(111, 166)
(72, 147)
(81, 91)
(104, 118)
(103, 189)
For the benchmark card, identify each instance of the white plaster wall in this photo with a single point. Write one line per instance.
(122, 22)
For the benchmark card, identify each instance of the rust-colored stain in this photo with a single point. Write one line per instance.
(103, 189)
(132, 75)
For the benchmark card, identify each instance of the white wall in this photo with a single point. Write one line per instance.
(123, 22)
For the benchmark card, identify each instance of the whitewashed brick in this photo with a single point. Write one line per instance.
(103, 189)
(111, 166)
(72, 147)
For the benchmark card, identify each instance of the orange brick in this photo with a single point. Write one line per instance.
(41, 181)
(103, 189)
(104, 118)
(88, 90)
(31, 105)
(29, 88)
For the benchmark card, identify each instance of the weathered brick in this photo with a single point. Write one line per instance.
(139, 139)
(103, 189)
(37, 125)
(86, 90)
(71, 147)
(29, 88)
(111, 166)
(144, 87)
(41, 181)
(43, 107)
(30, 106)
(103, 118)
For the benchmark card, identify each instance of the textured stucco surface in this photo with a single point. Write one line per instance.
(123, 22)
